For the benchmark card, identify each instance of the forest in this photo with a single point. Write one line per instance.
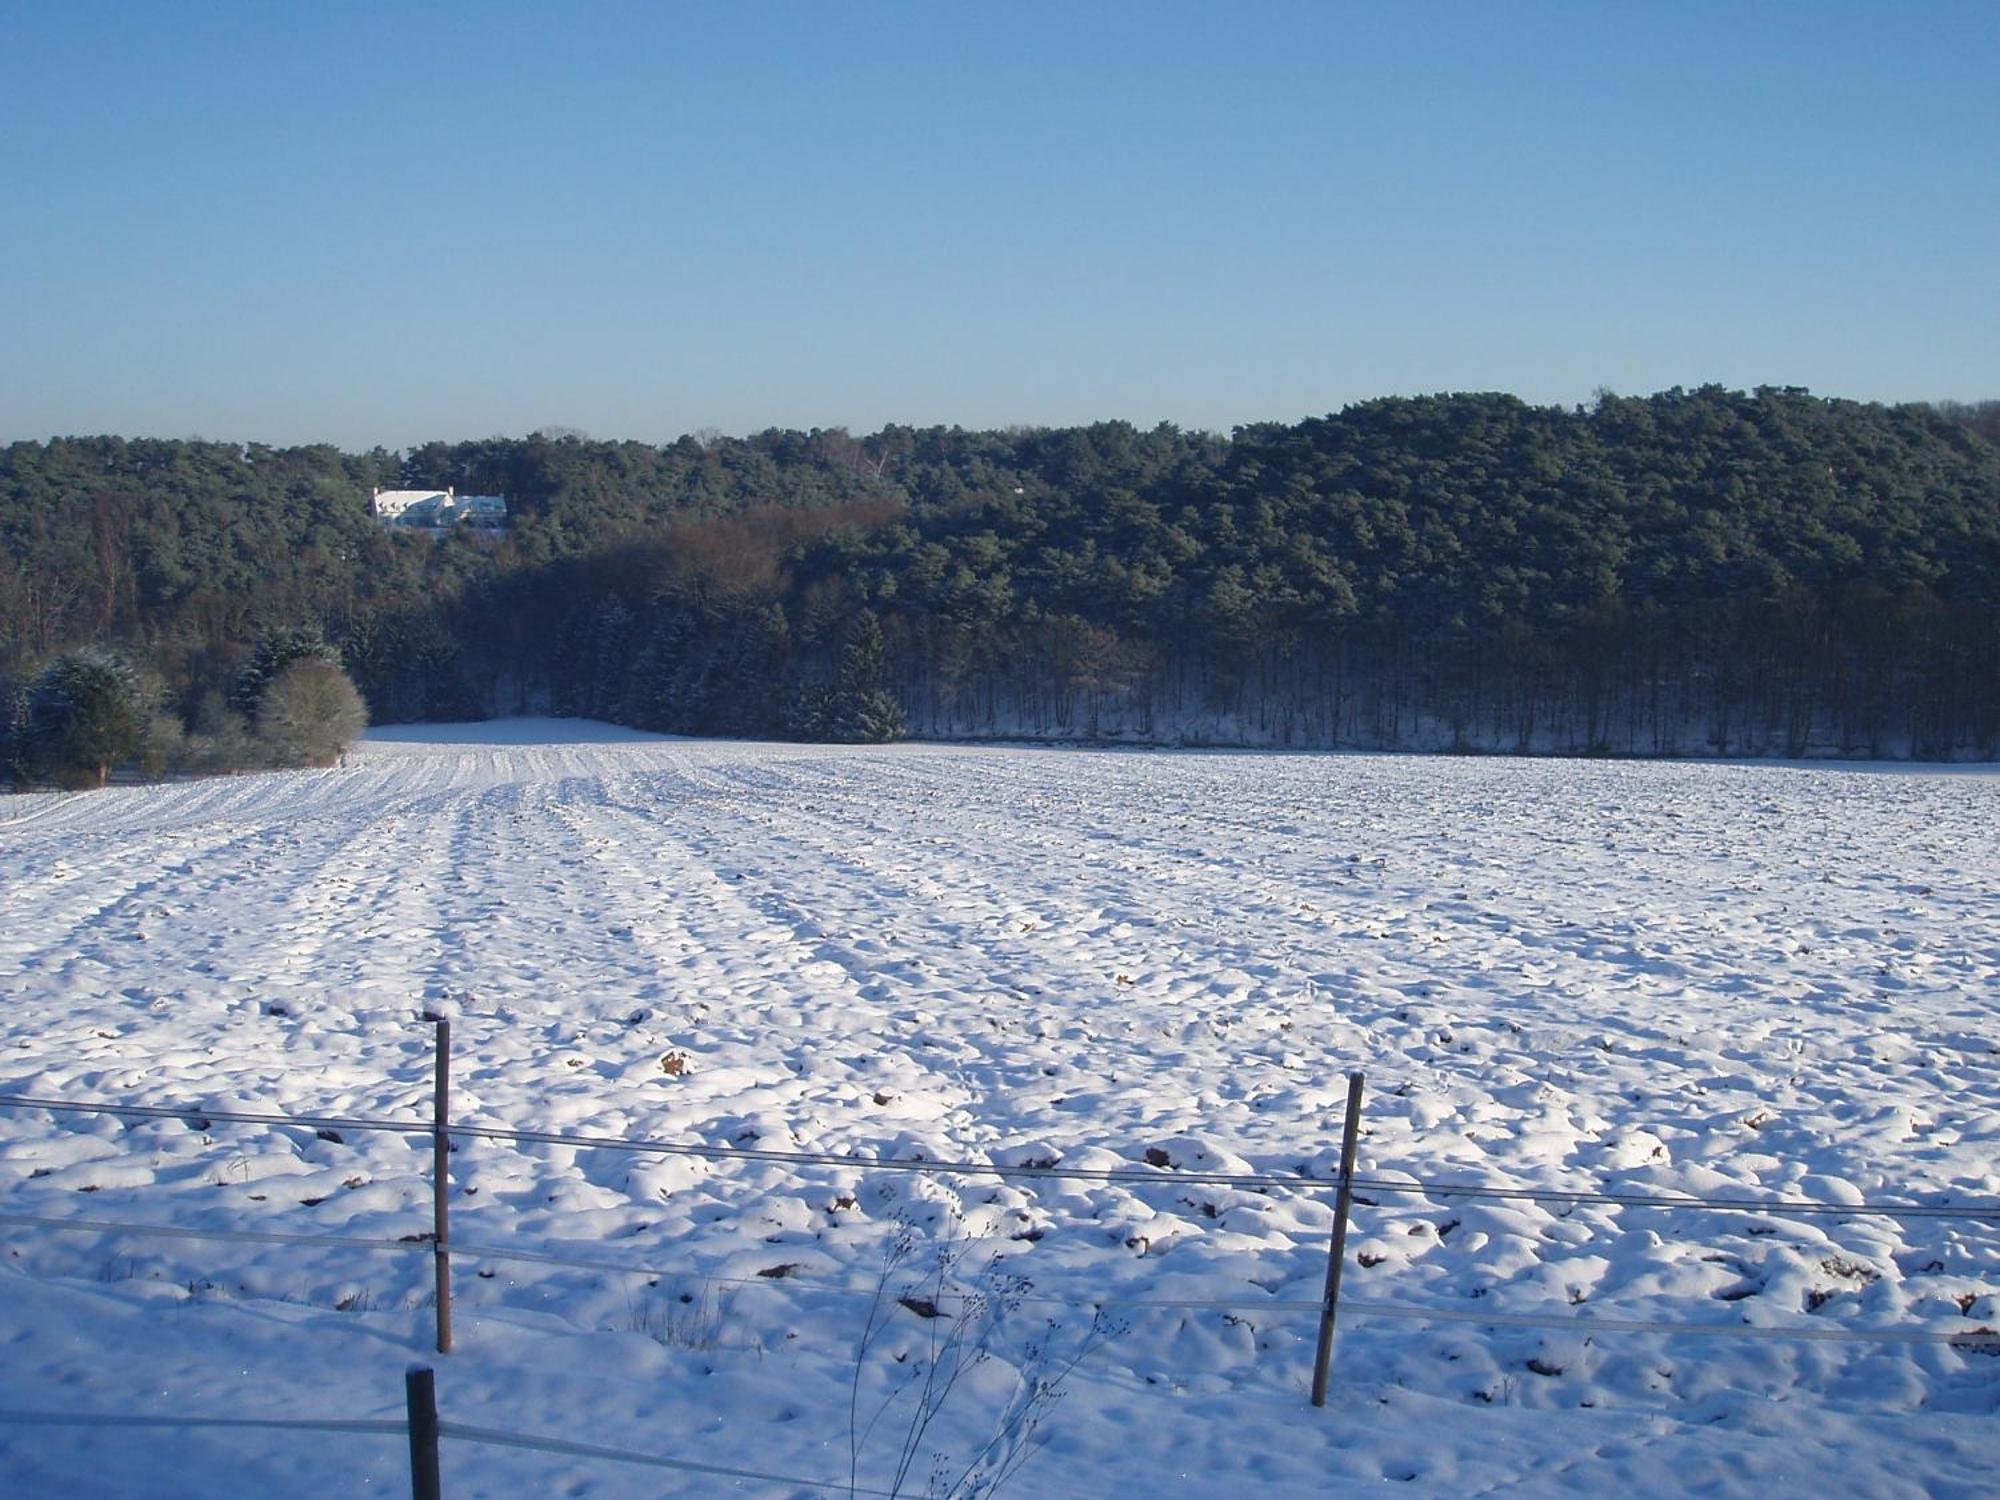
(1695, 572)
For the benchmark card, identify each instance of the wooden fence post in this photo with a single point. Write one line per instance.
(441, 1186)
(420, 1396)
(1337, 1251)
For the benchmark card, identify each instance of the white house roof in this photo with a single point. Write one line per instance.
(439, 508)
(392, 502)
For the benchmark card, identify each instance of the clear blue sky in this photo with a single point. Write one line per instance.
(366, 224)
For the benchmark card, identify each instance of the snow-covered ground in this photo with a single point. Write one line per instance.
(1720, 980)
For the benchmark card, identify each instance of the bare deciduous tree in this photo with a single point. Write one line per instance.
(310, 713)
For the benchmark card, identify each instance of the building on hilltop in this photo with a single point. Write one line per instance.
(439, 510)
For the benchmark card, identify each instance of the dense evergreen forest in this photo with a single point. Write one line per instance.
(1699, 572)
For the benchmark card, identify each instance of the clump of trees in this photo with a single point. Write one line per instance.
(89, 712)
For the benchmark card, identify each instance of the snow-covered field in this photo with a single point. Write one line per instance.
(1714, 980)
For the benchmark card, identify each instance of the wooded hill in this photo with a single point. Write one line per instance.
(1695, 572)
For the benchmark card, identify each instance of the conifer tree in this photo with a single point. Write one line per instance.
(84, 717)
(275, 650)
(863, 711)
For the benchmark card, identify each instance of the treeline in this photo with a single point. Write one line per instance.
(1695, 572)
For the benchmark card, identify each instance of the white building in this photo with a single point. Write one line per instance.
(439, 510)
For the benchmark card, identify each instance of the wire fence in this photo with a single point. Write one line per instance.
(1133, 1176)
(424, 1431)
(1413, 1312)
(1137, 1176)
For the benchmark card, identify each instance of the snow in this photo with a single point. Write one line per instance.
(438, 508)
(1715, 979)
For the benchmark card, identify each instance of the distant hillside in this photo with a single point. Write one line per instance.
(1695, 572)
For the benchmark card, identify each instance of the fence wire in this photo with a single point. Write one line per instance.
(1136, 1177)
(176, 1232)
(383, 1427)
(387, 1427)
(1979, 1338)
(499, 1438)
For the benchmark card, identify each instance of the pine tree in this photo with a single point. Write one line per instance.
(275, 650)
(610, 667)
(15, 752)
(863, 711)
(84, 716)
